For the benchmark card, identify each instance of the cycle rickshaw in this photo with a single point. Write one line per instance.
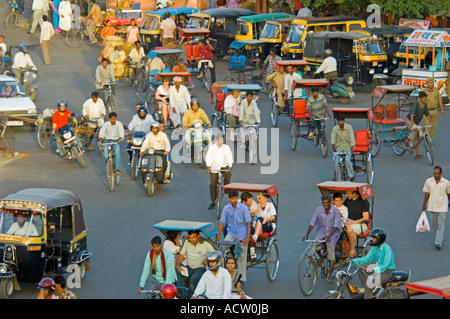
(392, 128)
(301, 119)
(287, 110)
(207, 233)
(362, 156)
(266, 246)
(313, 257)
(436, 286)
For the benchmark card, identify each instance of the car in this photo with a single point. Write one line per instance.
(15, 101)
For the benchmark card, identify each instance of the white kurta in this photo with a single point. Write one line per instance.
(65, 12)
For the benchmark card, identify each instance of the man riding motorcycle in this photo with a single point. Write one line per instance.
(22, 61)
(193, 115)
(142, 121)
(59, 120)
(159, 141)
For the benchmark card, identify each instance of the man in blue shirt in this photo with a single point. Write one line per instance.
(236, 216)
(372, 277)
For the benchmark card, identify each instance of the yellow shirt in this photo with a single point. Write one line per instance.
(190, 117)
(432, 99)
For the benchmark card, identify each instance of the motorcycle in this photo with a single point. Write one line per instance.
(153, 169)
(72, 148)
(393, 289)
(199, 139)
(136, 142)
(29, 79)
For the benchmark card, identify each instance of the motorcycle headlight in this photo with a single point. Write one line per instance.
(34, 75)
(31, 111)
(67, 135)
(198, 125)
(137, 141)
(3, 269)
(151, 151)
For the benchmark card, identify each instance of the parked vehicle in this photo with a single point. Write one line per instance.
(55, 240)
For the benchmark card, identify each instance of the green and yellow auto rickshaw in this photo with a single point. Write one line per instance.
(222, 24)
(42, 233)
(274, 32)
(250, 27)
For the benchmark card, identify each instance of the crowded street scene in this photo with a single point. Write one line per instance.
(237, 150)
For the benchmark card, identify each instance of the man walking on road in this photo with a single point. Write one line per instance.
(40, 8)
(47, 32)
(434, 101)
(436, 201)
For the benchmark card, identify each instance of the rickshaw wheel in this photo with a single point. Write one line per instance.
(83, 270)
(274, 114)
(6, 288)
(369, 169)
(376, 143)
(308, 275)
(323, 141)
(272, 261)
(293, 135)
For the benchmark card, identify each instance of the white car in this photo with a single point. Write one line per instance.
(15, 101)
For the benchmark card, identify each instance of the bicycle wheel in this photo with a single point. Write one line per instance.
(274, 114)
(323, 142)
(11, 20)
(150, 100)
(141, 89)
(429, 150)
(112, 104)
(293, 135)
(219, 201)
(139, 75)
(44, 135)
(110, 175)
(79, 156)
(308, 275)
(399, 151)
(272, 261)
(74, 38)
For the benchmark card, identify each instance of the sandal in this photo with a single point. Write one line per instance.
(418, 156)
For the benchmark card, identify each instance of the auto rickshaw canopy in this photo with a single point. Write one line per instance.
(47, 199)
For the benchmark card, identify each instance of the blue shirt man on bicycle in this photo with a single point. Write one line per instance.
(112, 132)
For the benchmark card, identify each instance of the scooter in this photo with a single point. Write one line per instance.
(393, 289)
(341, 88)
(153, 170)
(72, 149)
(136, 142)
(200, 138)
(29, 79)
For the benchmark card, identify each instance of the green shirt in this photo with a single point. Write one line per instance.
(383, 255)
(343, 139)
(418, 112)
(171, 275)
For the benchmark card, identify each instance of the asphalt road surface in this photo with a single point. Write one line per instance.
(120, 224)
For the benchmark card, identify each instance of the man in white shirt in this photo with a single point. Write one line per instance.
(249, 114)
(47, 32)
(216, 282)
(180, 99)
(291, 76)
(94, 110)
(168, 30)
(436, 201)
(328, 66)
(40, 8)
(112, 132)
(3, 47)
(104, 74)
(137, 55)
(20, 227)
(218, 157)
(21, 62)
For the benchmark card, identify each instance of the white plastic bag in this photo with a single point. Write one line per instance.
(423, 226)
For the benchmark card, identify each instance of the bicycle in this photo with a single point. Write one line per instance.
(111, 102)
(75, 36)
(12, 19)
(400, 147)
(44, 132)
(312, 259)
(112, 178)
(220, 191)
(205, 80)
(132, 74)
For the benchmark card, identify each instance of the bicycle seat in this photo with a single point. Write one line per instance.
(399, 276)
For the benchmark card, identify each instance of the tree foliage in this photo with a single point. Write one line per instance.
(404, 8)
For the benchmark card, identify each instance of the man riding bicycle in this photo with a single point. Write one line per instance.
(343, 141)
(206, 56)
(104, 74)
(94, 111)
(316, 105)
(249, 114)
(59, 120)
(112, 132)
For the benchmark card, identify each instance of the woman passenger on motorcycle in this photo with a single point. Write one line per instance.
(59, 120)
(162, 97)
(236, 292)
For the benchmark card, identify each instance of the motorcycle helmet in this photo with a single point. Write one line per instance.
(327, 52)
(23, 48)
(61, 102)
(141, 109)
(380, 236)
(169, 291)
(214, 256)
(155, 124)
(47, 283)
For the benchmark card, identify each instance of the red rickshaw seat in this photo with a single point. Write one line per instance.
(362, 141)
(299, 109)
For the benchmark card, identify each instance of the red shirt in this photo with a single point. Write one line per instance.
(206, 53)
(61, 119)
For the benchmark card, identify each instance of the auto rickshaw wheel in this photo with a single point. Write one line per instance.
(6, 288)
(150, 186)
